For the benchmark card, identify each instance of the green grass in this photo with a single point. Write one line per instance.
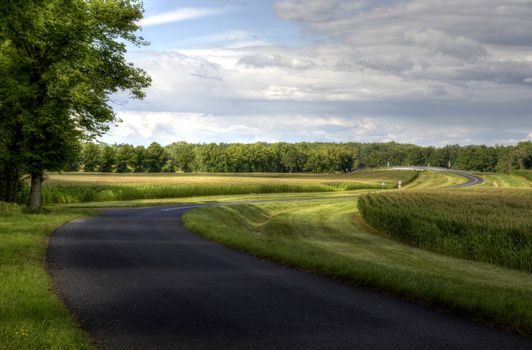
(329, 237)
(516, 179)
(84, 188)
(31, 315)
(214, 199)
(525, 174)
(436, 179)
(493, 226)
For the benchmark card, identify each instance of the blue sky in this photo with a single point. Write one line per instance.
(417, 71)
(253, 17)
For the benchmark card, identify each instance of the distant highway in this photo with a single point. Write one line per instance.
(472, 180)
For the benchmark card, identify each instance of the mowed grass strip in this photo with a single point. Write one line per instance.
(526, 174)
(493, 226)
(329, 237)
(82, 188)
(436, 179)
(516, 179)
(220, 199)
(31, 315)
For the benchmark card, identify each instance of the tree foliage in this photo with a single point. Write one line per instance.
(60, 60)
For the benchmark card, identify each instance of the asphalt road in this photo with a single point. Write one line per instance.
(472, 180)
(137, 279)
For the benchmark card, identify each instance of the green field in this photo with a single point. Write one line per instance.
(493, 226)
(330, 237)
(436, 179)
(97, 187)
(516, 179)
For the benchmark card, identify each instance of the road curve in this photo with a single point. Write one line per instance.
(472, 180)
(137, 279)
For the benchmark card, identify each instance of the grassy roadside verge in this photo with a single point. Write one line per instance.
(330, 238)
(31, 315)
(436, 179)
(213, 199)
(516, 179)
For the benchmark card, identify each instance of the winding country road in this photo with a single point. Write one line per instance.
(137, 279)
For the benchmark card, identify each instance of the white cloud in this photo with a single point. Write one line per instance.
(182, 14)
(167, 127)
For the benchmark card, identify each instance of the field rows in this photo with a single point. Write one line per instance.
(488, 225)
(82, 188)
(518, 179)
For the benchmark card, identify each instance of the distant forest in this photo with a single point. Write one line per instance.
(294, 157)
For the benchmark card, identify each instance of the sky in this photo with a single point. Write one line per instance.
(427, 72)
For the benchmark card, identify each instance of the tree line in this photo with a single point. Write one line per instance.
(294, 157)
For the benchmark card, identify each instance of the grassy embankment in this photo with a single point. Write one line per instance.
(435, 179)
(31, 315)
(331, 238)
(516, 179)
(83, 188)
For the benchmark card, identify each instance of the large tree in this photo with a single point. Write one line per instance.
(60, 61)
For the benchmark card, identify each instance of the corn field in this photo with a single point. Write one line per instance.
(490, 225)
(80, 188)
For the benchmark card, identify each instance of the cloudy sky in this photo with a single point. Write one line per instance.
(429, 72)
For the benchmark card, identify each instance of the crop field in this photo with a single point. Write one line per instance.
(331, 238)
(369, 176)
(82, 188)
(487, 225)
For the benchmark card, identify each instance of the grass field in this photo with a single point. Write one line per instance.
(436, 179)
(493, 226)
(81, 188)
(526, 174)
(517, 179)
(215, 199)
(331, 238)
(31, 316)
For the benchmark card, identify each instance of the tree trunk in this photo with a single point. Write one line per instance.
(36, 191)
